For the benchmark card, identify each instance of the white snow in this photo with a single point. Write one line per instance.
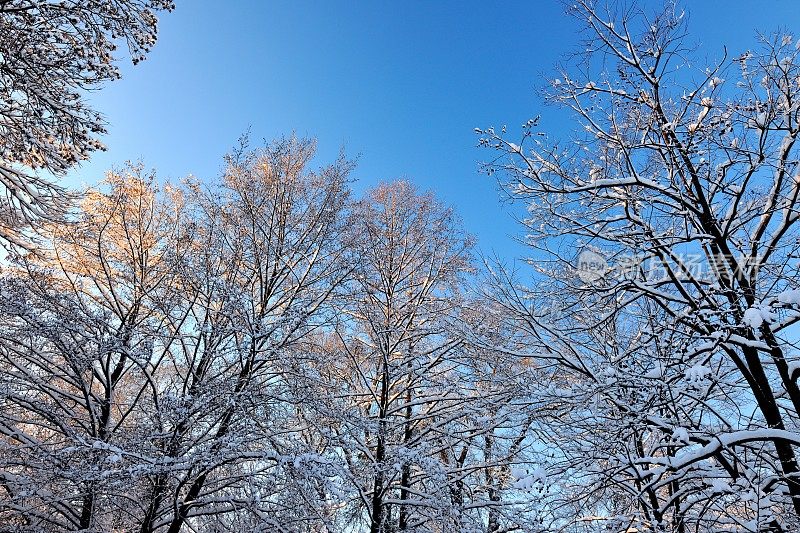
(697, 373)
(753, 318)
(680, 435)
(790, 297)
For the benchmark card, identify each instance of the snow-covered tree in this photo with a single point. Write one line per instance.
(78, 365)
(424, 425)
(265, 260)
(398, 364)
(149, 352)
(51, 53)
(664, 310)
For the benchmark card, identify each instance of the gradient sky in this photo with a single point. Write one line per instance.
(400, 84)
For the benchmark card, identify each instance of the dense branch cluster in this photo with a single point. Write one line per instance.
(51, 52)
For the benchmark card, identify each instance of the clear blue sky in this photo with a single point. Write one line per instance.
(402, 84)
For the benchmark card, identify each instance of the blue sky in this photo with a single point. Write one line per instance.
(400, 84)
